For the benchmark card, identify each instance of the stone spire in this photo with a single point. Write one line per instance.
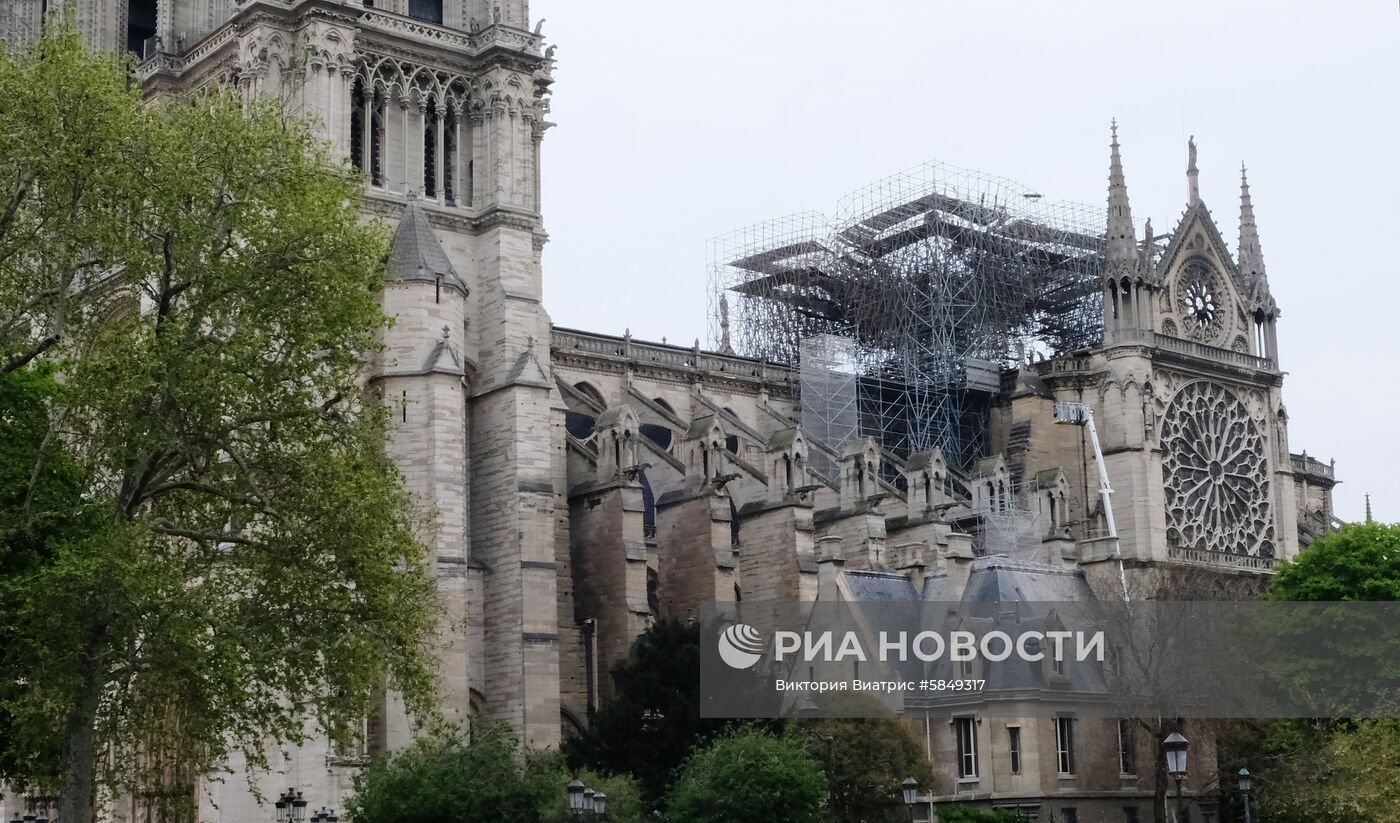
(1251, 255)
(1193, 188)
(1122, 237)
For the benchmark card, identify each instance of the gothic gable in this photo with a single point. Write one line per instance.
(1201, 298)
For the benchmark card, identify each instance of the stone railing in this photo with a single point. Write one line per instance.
(493, 36)
(418, 30)
(1309, 465)
(674, 357)
(1226, 559)
(177, 61)
(1206, 352)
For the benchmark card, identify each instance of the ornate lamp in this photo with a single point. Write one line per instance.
(575, 790)
(1175, 747)
(1244, 790)
(910, 787)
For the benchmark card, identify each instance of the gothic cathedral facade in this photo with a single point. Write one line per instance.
(579, 485)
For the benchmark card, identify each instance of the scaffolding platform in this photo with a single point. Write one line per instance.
(937, 278)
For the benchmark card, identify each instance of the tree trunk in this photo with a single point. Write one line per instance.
(76, 803)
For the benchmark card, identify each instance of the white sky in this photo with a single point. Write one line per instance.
(679, 121)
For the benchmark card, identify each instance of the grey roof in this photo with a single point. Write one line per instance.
(1030, 383)
(867, 586)
(999, 590)
(416, 254)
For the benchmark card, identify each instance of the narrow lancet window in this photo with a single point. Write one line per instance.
(430, 147)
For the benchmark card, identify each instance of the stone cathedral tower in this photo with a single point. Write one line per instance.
(441, 104)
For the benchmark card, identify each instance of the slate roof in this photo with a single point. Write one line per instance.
(415, 254)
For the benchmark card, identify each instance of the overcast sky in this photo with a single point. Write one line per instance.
(679, 121)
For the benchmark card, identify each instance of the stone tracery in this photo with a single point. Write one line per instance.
(1215, 473)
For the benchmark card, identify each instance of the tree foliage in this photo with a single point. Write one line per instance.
(866, 760)
(1360, 561)
(653, 720)
(549, 774)
(204, 542)
(1334, 770)
(749, 774)
(446, 778)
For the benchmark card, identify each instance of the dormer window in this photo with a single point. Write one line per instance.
(429, 11)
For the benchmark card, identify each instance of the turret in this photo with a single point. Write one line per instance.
(1127, 281)
(1263, 311)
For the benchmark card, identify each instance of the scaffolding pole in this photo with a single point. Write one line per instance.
(938, 277)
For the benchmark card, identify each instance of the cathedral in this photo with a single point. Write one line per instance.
(581, 484)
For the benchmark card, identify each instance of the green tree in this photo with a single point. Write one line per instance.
(749, 774)
(1360, 561)
(549, 776)
(242, 559)
(653, 720)
(446, 778)
(1335, 770)
(866, 761)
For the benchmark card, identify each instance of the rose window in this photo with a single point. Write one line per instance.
(1203, 312)
(1216, 474)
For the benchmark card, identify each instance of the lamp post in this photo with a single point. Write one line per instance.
(1175, 747)
(575, 790)
(291, 807)
(600, 804)
(1244, 790)
(325, 816)
(910, 789)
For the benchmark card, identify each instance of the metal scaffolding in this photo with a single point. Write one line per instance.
(939, 277)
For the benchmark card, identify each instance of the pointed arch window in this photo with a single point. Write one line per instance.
(367, 131)
(432, 123)
(449, 155)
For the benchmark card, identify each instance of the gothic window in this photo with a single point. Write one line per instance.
(357, 125)
(1215, 473)
(1202, 302)
(430, 146)
(449, 158)
(377, 119)
(429, 11)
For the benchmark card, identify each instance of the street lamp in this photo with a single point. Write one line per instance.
(291, 807)
(1244, 790)
(325, 816)
(910, 788)
(590, 804)
(1175, 746)
(575, 790)
(600, 804)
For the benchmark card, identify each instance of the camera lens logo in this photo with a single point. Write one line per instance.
(740, 646)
